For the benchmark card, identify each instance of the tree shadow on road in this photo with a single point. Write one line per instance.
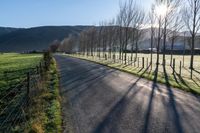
(150, 103)
(172, 104)
(118, 108)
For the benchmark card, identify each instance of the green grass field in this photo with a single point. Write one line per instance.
(15, 66)
(13, 70)
(182, 81)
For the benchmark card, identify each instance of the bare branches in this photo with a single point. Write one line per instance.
(191, 16)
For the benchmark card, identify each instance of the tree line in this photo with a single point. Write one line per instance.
(166, 19)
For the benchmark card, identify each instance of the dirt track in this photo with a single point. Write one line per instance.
(104, 100)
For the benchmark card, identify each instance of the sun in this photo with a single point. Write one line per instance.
(161, 10)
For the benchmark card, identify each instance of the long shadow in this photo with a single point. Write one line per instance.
(196, 71)
(140, 70)
(129, 64)
(172, 104)
(151, 97)
(89, 78)
(179, 77)
(88, 84)
(85, 74)
(182, 80)
(174, 76)
(79, 71)
(117, 107)
(196, 82)
(193, 75)
(143, 68)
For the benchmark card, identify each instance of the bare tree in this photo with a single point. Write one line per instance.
(191, 17)
(67, 45)
(152, 21)
(127, 18)
(54, 46)
(119, 22)
(136, 25)
(175, 27)
(171, 8)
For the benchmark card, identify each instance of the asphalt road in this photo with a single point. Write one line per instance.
(104, 100)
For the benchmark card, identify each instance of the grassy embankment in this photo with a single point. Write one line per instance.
(182, 81)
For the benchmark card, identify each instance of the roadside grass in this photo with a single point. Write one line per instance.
(45, 113)
(175, 80)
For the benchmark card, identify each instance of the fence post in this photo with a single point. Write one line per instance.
(28, 83)
(37, 68)
(174, 61)
(180, 68)
(147, 62)
(41, 69)
(138, 60)
(128, 60)
(164, 62)
(142, 62)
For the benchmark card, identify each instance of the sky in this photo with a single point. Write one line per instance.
(32, 13)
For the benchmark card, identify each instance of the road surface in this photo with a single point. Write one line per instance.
(104, 100)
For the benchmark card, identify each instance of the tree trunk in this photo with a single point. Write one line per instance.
(172, 48)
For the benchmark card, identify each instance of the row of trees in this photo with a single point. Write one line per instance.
(166, 19)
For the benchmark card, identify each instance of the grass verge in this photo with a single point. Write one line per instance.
(45, 111)
(173, 80)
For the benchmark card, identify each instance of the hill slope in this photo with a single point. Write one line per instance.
(37, 38)
(6, 30)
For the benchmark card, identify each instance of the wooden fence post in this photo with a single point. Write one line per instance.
(138, 60)
(142, 62)
(28, 83)
(134, 63)
(147, 62)
(41, 69)
(164, 62)
(180, 68)
(37, 68)
(128, 60)
(174, 61)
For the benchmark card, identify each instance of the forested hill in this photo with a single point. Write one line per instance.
(6, 30)
(37, 38)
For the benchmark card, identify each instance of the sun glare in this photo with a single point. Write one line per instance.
(161, 10)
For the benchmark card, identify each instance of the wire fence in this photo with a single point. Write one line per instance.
(16, 99)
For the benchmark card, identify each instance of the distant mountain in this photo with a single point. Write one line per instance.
(6, 30)
(37, 38)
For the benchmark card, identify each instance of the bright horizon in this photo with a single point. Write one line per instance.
(34, 13)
